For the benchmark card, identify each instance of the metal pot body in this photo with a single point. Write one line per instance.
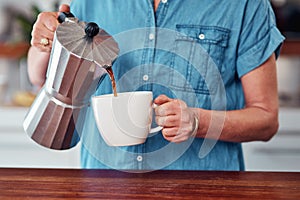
(51, 123)
(70, 78)
(53, 119)
(80, 53)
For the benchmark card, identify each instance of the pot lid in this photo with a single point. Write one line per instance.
(87, 41)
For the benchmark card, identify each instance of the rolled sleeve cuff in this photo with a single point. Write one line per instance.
(260, 52)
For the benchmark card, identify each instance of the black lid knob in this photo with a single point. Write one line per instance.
(63, 15)
(91, 30)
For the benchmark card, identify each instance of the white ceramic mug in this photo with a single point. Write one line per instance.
(126, 119)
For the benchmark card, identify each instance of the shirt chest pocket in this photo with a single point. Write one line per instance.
(198, 57)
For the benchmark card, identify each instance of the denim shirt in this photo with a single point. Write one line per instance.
(192, 50)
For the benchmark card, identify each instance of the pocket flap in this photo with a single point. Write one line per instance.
(203, 34)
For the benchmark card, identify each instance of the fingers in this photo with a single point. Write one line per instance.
(47, 20)
(181, 118)
(64, 8)
(44, 28)
(170, 112)
(162, 99)
(167, 106)
(176, 118)
(169, 133)
(175, 135)
(167, 121)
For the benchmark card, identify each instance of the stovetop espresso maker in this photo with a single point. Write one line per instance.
(80, 54)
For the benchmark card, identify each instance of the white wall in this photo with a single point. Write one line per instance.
(43, 4)
(24, 6)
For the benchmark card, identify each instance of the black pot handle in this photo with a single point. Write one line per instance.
(63, 16)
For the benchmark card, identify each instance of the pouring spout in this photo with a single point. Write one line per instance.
(107, 66)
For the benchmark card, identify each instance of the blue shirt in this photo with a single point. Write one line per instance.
(193, 50)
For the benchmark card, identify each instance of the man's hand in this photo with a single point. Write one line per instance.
(179, 122)
(39, 54)
(44, 28)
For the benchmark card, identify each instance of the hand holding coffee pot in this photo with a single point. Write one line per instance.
(41, 45)
(80, 53)
(45, 27)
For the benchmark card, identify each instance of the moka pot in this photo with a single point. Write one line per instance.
(80, 54)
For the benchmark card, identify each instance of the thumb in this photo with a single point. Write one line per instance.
(161, 99)
(64, 8)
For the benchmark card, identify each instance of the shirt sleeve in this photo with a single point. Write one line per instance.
(259, 37)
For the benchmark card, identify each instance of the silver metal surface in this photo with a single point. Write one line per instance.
(75, 67)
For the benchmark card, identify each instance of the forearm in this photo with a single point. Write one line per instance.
(258, 121)
(37, 66)
(39, 53)
(249, 124)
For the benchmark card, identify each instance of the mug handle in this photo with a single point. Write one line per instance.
(158, 128)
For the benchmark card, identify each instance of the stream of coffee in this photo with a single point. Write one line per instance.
(113, 81)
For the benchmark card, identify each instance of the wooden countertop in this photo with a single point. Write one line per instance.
(108, 184)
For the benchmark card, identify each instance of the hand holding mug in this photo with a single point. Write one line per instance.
(179, 122)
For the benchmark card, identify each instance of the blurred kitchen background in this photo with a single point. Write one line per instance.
(16, 92)
(16, 20)
(282, 153)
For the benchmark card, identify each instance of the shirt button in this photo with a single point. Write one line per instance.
(145, 77)
(151, 36)
(139, 158)
(201, 36)
(164, 1)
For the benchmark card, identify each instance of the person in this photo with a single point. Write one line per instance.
(204, 122)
